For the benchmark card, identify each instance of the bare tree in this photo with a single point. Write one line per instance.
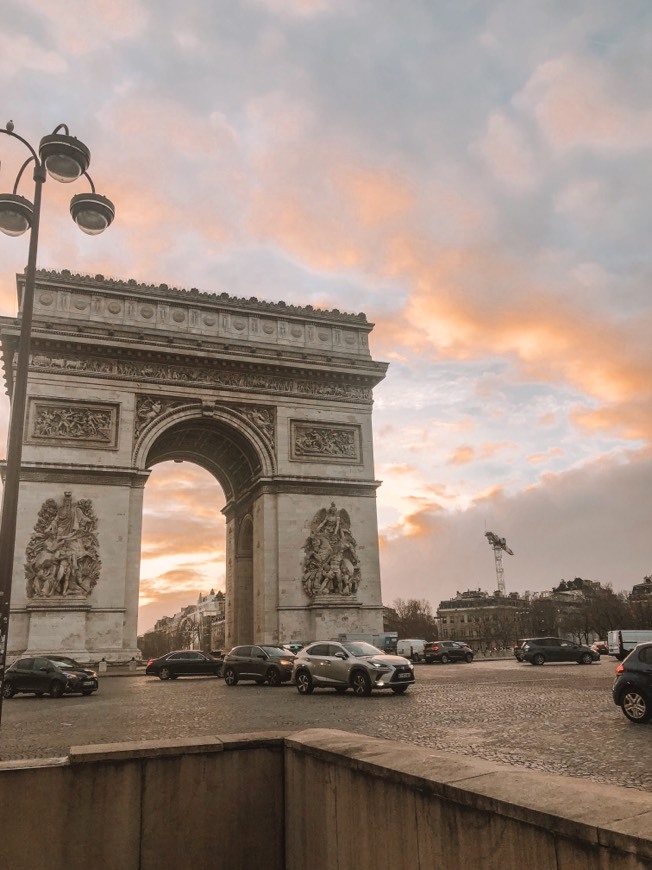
(414, 618)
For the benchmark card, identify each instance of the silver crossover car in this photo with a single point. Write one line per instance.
(350, 665)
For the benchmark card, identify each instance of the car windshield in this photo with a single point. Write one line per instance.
(276, 651)
(64, 661)
(362, 649)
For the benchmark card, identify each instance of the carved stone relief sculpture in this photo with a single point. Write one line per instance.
(261, 418)
(73, 424)
(149, 408)
(338, 442)
(62, 556)
(330, 564)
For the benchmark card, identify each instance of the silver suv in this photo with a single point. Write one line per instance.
(350, 665)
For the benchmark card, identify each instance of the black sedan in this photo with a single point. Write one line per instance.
(56, 675)
(184, 663)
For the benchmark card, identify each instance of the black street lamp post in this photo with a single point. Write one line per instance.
(65, 159)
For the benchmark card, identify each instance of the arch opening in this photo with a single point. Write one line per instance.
(231, 458)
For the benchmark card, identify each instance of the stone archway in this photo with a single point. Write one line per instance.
(274, 400)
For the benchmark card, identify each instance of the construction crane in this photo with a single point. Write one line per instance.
(498, 545)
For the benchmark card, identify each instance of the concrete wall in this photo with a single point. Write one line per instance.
(318, 799)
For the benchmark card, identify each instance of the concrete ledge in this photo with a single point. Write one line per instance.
(323, 799)
(539, 814)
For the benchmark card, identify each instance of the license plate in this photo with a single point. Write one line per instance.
(404, 676)
(88, 683)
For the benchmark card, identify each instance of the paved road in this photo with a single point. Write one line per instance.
(559, 718)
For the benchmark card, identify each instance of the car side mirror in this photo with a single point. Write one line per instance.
(46, 670)
(341, 655)
(261, 656)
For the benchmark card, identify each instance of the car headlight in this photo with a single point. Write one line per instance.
(411, 666)
(285, 663)
(376, 664)
(70, 676)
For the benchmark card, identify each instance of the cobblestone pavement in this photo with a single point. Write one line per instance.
(558, 718)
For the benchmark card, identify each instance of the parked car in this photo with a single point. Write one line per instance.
(601, 647)
(54, 675)
(184, 663)
(351, 664)
(262, 664)
(445, 651)
(622, 641)
(518, 649)
(293, 647)
(538, 650)
(632, 688)
(411, 648)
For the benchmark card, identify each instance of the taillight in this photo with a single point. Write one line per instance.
(620, 669)
(149, 662)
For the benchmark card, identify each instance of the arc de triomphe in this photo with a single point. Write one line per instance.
(274, 400)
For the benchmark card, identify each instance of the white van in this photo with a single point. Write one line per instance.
(411, 648)
(622, 641)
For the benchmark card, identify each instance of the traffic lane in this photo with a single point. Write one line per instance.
(558, 718)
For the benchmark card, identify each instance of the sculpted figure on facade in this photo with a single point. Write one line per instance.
(62, 557)
(331, 564)
(261, 418)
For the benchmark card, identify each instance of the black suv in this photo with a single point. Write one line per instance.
(445, 651)
(632, 688)
(538, 650)
(262, 664)
(56, 675)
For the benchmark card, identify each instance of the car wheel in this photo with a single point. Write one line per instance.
(635, 706)
(468, 658)
(304, 683)
(399, 690)
(56, 689)
(538, 659)
(164, 674)
(444, 659)
(273, 677)
(8, 690)
(361, 683)
(586, 659)
(230, 677)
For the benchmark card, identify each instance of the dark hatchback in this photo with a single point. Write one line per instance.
(262, 664)
(632, 688)
(52, 675)
(184, 663)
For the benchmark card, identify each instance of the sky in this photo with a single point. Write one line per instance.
(474, 175)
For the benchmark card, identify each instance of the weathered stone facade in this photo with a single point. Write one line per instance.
(274, 400)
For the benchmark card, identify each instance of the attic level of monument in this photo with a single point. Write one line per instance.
(61, 298)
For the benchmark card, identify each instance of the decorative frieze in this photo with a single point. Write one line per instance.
(312, 442)
(62, 556)
(330, 565)
(72, 424)
(211, 376)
